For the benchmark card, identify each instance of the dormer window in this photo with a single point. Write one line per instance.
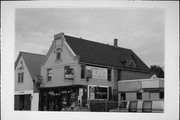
(131, 63)
(58, 53)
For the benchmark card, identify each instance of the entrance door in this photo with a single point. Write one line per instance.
(64, 100)
(23, 102)
(57, 103)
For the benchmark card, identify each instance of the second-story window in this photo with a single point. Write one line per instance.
(69, 73)
(49, 74)
(119, 75)
(109, 74)
(82, 71)
(20, 77)
(58, 53)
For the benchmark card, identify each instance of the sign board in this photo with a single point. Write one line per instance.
(80, 92)
(97, 72)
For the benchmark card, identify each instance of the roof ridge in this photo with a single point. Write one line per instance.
(98, 42)
(31, 53)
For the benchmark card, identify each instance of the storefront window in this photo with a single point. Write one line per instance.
(101, 93)
(23, 102)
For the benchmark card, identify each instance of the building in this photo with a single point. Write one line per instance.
(76, 70)
(141, 89)
(27, 67)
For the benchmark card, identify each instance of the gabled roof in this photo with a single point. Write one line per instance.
(102, 54)
(33, 62)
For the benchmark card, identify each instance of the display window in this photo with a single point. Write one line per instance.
(96, 92)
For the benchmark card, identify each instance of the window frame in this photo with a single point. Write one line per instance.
(118, 74)
(49, 74)
(123, 94)
(83, 67)
(58, 53)
(98, 95)
(20, 77)
(109, 71)
(68, 70)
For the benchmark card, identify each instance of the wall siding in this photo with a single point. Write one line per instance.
(27, 81)
(129, 75)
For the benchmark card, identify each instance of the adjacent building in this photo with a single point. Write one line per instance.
(76, 70)
(27, 69)
(141, 89)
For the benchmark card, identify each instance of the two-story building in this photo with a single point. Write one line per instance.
(27, 70)
(79, 70)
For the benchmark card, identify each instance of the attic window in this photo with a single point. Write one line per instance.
(20, 67)
(58, 53)
(131, 63)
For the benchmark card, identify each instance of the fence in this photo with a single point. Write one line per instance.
(102, 105)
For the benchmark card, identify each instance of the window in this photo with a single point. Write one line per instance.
(110, 93)
(82, 71)
(109, 74)
(101, 93)
(20, 77)
(119, 75)
(49, 74)
(147, 106)
(123, 96)
(68, 72)
(161, 95)
(131, 63)
(58, 53)
(133, 106)
(139, 95)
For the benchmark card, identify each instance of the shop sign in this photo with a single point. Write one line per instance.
(80, 92)
(69, 73)
(92, 96)
(97, 72)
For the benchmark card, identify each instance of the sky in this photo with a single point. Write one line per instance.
(139, 29)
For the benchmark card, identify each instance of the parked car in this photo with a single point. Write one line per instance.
(152, 106)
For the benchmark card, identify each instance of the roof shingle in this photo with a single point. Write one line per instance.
(33, 62)
(102, 54)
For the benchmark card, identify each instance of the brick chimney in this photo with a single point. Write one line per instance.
(115, 42)
(58, 36)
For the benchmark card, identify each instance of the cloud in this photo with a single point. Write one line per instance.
(138, 29)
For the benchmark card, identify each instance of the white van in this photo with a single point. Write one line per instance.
(151, 106)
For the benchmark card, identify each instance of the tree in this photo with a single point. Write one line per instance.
(157, 70)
